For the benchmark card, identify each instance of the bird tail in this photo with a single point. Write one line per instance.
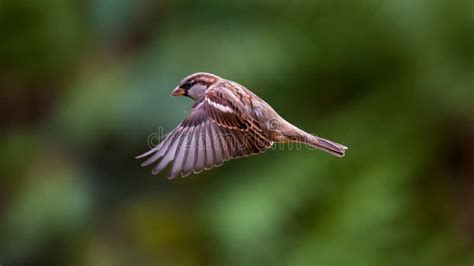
(325, 145)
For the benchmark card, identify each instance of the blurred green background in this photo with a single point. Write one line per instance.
(84, 83)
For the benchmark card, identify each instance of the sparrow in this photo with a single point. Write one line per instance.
(227, 121)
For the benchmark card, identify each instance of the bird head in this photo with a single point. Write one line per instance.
(195, 85)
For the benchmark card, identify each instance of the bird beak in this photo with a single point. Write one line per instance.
(178, 92)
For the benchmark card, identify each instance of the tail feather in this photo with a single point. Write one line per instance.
(323, 144)
(329, 146)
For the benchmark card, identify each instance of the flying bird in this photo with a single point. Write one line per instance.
(227, 121)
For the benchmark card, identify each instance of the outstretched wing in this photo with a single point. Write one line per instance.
(217, 130)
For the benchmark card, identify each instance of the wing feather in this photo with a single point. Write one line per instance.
(170, 153)
(182, 153)
(210, 157)
(192, 154)
(225, 149)
(162, 147)
(201, 153)
(217, 145)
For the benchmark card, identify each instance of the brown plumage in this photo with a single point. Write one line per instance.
(227, 121)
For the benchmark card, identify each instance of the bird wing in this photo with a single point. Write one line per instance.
(217, 130)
